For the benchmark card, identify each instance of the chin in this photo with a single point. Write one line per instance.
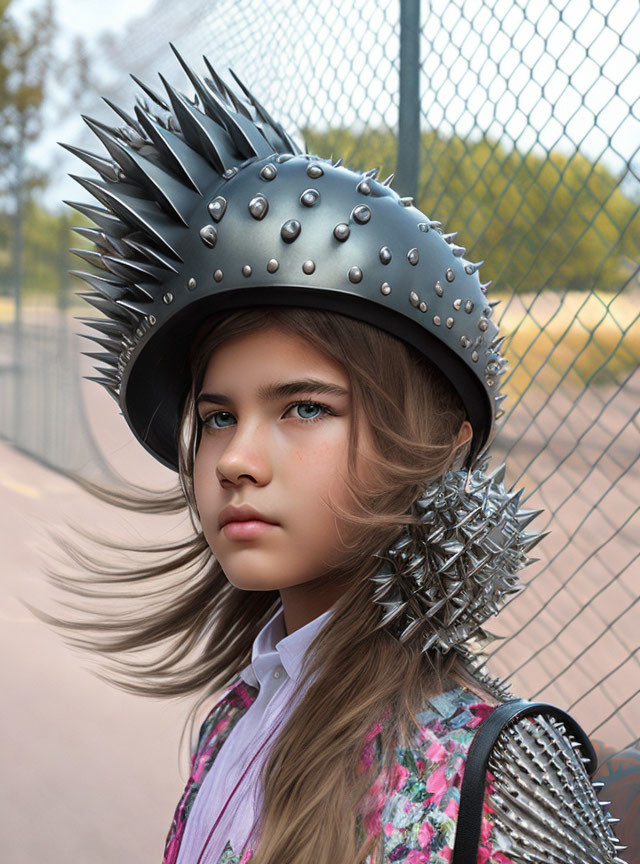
(252, 578)
(254, 581)
(255, 585)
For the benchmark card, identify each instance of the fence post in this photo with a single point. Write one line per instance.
(18, 279)
(408, 164)
(63, 298)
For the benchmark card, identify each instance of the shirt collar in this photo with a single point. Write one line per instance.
(272, 648)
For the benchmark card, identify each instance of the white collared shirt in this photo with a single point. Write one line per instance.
(276, 663)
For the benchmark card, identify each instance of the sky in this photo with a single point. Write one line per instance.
(89, 19)
(87, 16)
(554, 73)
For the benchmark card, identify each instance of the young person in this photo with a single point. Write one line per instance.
(318, 363)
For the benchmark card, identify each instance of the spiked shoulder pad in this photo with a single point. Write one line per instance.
(545, 808)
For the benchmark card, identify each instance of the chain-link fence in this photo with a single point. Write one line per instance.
(519, 127)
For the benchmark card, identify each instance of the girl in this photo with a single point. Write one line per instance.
(318, 363)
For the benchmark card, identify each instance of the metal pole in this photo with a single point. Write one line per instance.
(59, 422)
(18, 278)
(63, 272)
(408, 164)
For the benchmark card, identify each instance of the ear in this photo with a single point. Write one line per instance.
(465, 434)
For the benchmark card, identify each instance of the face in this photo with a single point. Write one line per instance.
(279, 447)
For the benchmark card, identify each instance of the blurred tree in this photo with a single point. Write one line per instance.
(25, 62)
(29, 63)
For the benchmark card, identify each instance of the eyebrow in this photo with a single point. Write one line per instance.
(282, 389)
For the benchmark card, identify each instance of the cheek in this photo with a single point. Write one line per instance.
(203, 472)
(317, 476)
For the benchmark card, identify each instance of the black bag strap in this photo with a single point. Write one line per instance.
(473, 781)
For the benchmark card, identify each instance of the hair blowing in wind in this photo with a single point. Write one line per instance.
(201, 628)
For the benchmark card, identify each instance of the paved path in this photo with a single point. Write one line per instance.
(90, 773)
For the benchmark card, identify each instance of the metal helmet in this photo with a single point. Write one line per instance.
(209, 205)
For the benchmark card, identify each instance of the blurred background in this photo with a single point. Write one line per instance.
(516, 124)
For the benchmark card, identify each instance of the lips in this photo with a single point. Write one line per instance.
(242, 513)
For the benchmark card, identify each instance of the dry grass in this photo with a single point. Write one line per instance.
(577, 338)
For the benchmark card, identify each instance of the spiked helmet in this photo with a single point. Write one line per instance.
(207, 204)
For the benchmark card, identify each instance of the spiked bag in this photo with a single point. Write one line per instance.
(540, 762)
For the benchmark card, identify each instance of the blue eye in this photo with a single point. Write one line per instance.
(325, 409)
(216, 414)
(308, 405)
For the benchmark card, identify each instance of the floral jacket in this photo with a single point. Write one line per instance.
(418, 816)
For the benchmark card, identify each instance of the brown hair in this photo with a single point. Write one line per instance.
(361, 674)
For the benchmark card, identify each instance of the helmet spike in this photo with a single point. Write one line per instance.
(278, 137)
(109, 374)
(200, 131)
(150, 254)
(134, 271)
(100, 238)
(91, 257)
(117, 150)
(221, 86)
(169, 192)
(134, 308)
(128, 119)
(109, 357)
(102, 325)
(142, 213)
(106, 383)
(104, 167)
(107, 307)
(110, 289)
(247, 139)
(113, 345)
(104, 218)
(155, 97)
(175, 154)
(237, 103)
(113, 289)
(473, 267)
(261, 111)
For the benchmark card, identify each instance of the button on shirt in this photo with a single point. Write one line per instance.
(276, 664)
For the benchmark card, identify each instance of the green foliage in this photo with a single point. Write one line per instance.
(26, 59)
(46, 241)
(45, 256)
(542, 221)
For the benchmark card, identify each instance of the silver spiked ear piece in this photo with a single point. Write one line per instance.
(444, 577)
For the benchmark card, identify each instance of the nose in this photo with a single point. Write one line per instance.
(247, 455)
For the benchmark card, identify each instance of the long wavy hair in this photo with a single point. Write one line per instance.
(357, 676)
